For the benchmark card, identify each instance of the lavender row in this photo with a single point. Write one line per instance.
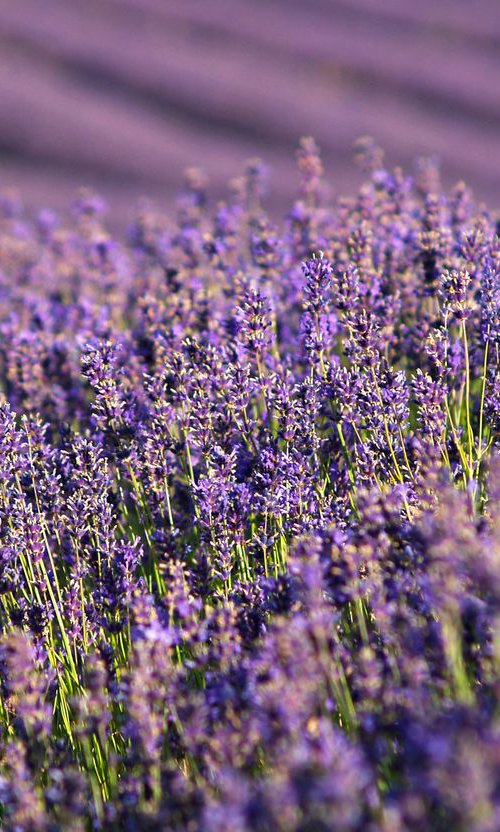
(249, 511)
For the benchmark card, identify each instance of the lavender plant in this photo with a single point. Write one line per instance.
(250, 512)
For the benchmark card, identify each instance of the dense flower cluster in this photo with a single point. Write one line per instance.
(250, 513)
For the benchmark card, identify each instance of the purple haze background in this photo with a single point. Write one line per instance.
(122, 95)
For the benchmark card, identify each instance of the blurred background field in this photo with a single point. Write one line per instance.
(122, 95)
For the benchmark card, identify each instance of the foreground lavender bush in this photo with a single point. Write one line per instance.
(249, 513)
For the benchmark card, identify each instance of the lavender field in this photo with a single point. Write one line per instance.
(250, 520)
(122, 95)
(249, 433)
